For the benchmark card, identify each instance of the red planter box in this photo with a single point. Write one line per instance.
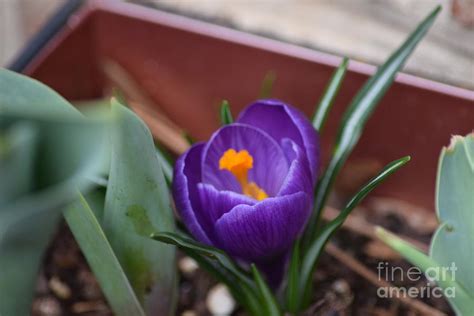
(188, 66)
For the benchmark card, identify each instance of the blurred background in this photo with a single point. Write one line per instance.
(365, 30)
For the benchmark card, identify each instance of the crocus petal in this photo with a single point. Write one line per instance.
(299, 176)
(220, 202)
(269, 162)
(187, 174)
(280, 121)
(265, 230)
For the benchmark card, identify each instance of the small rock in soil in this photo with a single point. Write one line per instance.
(187, 265)
(219, 301)
(46, 306)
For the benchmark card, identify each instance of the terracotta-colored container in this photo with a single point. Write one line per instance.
(188, 66)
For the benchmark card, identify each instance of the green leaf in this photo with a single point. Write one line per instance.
(29, 98)
(270, 305)
(357, 114)
(267, 85)
(28, 222)
(315, 248)
(238, 282)
(330, 93)
(137, 188)
(226, 115)
(66, 150)
(462, 301)
(101, 258)
(451, 245)
(293, 296)
(455, 209)
(210, 252)
(17, 161)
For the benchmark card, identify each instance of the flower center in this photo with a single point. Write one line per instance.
(239, 163)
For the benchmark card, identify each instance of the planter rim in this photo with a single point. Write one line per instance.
(229, 35)
(248, 39)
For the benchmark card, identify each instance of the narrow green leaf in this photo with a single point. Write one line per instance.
(210, 252)
(101, 258)
(238, 282)
(461, 301)
(137, 189)
(330, 93)
(317, 245)
(293, 296)
(357, 114)
(226, 115)
(269, 302)
(267, 85)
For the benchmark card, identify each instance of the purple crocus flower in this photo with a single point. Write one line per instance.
(249, 189)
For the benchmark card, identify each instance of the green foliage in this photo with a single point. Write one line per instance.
(226, 115)
(49, 152)
(315, 248)
(269, 302)
(137, 188)
(356, 116)
(101, 258)
(27, 98)
(452, 242)
(292, 290)
(327, 100)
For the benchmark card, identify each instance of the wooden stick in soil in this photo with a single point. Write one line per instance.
(358, 224)
(356, 266)
(161, 127)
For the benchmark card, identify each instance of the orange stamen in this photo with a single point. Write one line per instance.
(239, 163)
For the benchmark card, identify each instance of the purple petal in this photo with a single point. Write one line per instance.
(280, 121)
(217, 203)
(187, 174)
(269, 162)
(265, 230)
(299, 176)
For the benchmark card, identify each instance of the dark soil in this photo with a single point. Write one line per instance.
(67, 287)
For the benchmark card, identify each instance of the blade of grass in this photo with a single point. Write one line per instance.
(293, 274)
(315, 248)
(226, 115)
(268, 300)
(101, 258)
(211, 252)
(327, 100)
(357, 114)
